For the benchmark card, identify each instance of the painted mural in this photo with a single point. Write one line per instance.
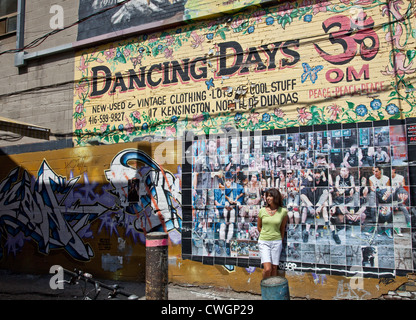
(101, 17)
(253, 71)
(107, 16)
(347, 190)
(84, 211)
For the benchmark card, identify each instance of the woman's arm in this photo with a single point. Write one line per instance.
(283, 227)
(259, 225)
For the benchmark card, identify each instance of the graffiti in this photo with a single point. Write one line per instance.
(345, 292)
(386, 281)
(319, 278)
(120, 15)
(36, 210)
(57, 213)
(287, 266)
(158, 191)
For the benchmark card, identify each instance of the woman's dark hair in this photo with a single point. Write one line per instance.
(277, 197)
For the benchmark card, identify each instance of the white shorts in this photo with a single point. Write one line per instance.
(270, 251)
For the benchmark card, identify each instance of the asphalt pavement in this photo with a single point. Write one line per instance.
(14, 286)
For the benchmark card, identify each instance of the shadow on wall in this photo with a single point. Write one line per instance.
(73, 219)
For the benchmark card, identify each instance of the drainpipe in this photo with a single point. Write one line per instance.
(20, 33)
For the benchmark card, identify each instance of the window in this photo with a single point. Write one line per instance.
(8, 16)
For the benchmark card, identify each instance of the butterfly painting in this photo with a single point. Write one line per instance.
(210, 83)
(136, 60)
(309, 72)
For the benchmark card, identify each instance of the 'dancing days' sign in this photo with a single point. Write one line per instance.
(257, 70)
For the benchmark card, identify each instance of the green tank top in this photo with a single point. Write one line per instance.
(270, 230)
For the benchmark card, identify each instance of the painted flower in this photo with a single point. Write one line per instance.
(334, 111)
(82, 65)
(152, 38)
(126, 52)
(395, 38)
(285, 9)
(237, 117)
(279, 113)
(303, 115)
(197, 118)
(236, 23)
(121, 127)
(361, 110)
(79, 108)
(401, 69)
(307, 18)
(210, 36)
(80, 123)
(145, 126)
(375, 104)
(110, 53)
(257, 16)
(250, 29)
(169, 40)
(103, 127)
(136, 114)
(307, 3)
(320, 6)
(269, 21)
(174, 119)
(253, 118)
(392, 109)
(393, 7)
(80, 88)
(168, 53)
(129, 127)
(170, 131)
(266, 117)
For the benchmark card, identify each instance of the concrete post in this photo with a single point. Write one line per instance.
(157, 266)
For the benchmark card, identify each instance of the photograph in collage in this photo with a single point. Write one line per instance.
(346, 190)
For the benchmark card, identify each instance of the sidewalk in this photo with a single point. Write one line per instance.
(36, 287)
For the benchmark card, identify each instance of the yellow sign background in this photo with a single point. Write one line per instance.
(256, 70)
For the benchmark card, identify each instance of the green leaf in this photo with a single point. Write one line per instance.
(411, 54)
(370, 118)
(380, 115)
(350, 105)
(222, 34)
(396, 116)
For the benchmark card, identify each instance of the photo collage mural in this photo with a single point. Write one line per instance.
(346, 187)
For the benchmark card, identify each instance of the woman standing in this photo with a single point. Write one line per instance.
(271, 224)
